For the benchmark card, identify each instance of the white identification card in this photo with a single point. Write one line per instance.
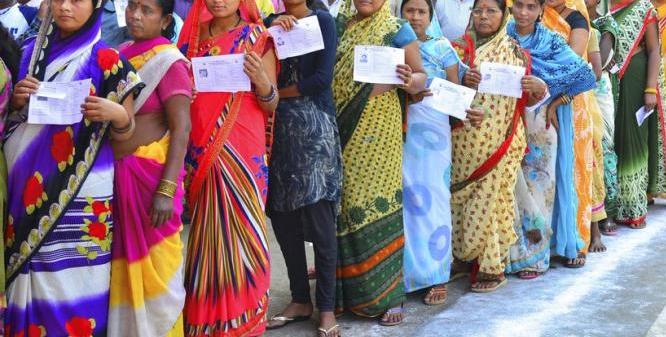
(501, 79)
(58, 103)
(120, 6)
(304, 38)
(642, 115)
(375, 64)
(223, 73)
(615, 69)
(449, 98)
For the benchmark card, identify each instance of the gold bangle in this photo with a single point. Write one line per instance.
(168, 182)
(650, 91)
(167, 188)
(165, 194)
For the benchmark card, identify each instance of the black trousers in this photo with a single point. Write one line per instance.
(318, 221)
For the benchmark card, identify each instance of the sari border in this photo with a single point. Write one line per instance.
(649, 18)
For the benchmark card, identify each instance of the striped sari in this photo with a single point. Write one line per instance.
(370, 228)
(227, 270)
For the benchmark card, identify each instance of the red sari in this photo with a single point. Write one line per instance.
(227, 271)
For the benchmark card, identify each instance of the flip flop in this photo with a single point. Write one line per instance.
(321, 332)
(392, 311)
(529, 275)
(491, 289)
(576, 265)
(284, 320)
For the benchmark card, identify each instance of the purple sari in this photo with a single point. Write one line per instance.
(58, 233)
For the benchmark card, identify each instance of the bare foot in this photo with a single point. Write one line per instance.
(596, 246)
(436, 295)
(294, 312)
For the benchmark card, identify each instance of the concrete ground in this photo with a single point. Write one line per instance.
(618, 293)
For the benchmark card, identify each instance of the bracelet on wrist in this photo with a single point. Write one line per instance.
(125, 129)
(167, 188)
(650, 91)
(271, 96)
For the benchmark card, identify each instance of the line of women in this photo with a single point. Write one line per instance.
(396, 196)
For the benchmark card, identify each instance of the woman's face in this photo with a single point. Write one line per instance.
(418, 15)
(222, 8)
(486, 17)
(526, 12)
(555, 3)
(144, 19)
(71, 15)
(366, 8)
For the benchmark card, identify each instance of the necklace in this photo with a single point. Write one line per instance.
(210, 26)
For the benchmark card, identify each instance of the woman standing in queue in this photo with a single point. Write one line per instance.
(305, 172)
(570, 20)
(427, 164)
(370, 226)
(227, 272)
(486, 158)
(147, 293)
(548, 168)
(61, 179)
(639, 83)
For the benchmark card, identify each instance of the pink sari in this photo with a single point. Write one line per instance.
(147, 293)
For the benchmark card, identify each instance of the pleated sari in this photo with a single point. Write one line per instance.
(583, 136)
(227, 269)
(565, 73)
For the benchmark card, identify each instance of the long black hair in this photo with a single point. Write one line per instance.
(10, 52)
(167, 9)
(431, 10)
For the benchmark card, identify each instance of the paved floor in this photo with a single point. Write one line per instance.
(619, 293)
